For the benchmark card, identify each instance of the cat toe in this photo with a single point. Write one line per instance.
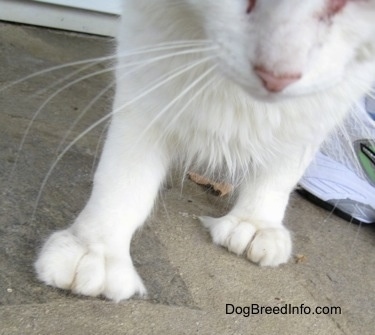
(264, 246)
(122, 281)
(270, 247)
(58, 259)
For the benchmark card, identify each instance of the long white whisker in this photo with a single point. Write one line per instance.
(181, 111)
(54, 68)
(99, 122)
(65, 78)
(195, 95)
(72, 74)
(97, 149)
(170, 74)
(140, 63)
(169, 45)
(36, 114)
(84, 111)
(92, 102)
(178, 97)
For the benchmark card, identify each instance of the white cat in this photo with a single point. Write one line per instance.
(244, 88)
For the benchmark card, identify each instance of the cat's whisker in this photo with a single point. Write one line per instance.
(353, 244)
(143, 50)
(97, 97)
(98, 146)
(40, 109)
(163, 82)
(178, 115)
(165, 47)
(180, 95)
(364, 86)
(106, 117)
(165, 75)
(92, 102)
(191, 100)
(61, 155)
(140, 64)
(83, 113)
(52, 69)
(187, 165)
(169, 76)
(172, 54)
(65, 78)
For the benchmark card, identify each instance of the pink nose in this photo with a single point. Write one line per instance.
(276, 83)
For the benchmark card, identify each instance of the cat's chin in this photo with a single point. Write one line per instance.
(262, 95)
(270, 97)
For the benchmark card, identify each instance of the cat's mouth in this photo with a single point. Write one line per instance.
(257, 92)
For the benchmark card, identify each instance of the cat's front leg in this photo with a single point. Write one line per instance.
(92, 256)
(254, 226)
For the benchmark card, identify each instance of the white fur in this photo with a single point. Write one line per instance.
(233, 126)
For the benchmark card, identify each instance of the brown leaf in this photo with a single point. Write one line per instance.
(300, 258)
(220, 189)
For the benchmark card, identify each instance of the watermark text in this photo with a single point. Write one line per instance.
(286, 309)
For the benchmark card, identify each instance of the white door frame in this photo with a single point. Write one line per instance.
(82, 16)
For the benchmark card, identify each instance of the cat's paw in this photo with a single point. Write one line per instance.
(65, 262)
(267, 246)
